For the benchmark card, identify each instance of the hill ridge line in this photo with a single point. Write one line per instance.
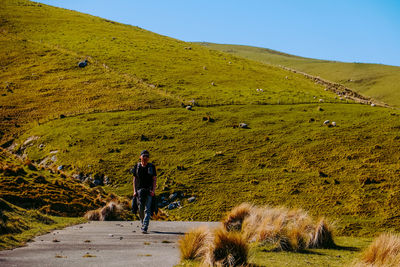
(363, 82)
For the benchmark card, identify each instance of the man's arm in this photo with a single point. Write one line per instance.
(134, 185)
(135, 180)
(153, 191)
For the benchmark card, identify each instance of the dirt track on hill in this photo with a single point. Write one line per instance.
(339, 89)
(104, 244)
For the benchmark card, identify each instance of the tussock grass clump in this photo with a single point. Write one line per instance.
(193, 245)
(113, 210)
(234, 219)
(285, 229)
(110, 211)
(93, 215)
(281, 228)
(228, 249)
(217, 248)
(383, 251)
(322, 237)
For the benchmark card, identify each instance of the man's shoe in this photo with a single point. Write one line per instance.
(144, 231)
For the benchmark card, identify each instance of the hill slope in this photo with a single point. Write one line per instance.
(287, 156)
(378, 81)
(18, 225)
(129, 68)
(29, 196)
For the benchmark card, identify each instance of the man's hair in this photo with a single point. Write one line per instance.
(145, 152)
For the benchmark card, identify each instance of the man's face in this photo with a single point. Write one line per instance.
(144, 158)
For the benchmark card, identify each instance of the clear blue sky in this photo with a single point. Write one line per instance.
(342, 30)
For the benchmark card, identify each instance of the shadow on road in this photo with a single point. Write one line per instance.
(167, 233)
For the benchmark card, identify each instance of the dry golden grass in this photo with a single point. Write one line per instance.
(292, 239)
(194, 244)
(111, 211)
(160, 216)
(92, 215)
(322, 237)
(286, 229)
(384, 251)
(228, 249)
(235, 218)
(281, 228)
(27, 186)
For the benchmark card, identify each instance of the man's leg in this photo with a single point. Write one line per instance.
(141, 209)
(147, 213)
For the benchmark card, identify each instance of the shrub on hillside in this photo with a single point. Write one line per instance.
(116, 208)
(234, 219)
(322, 236)
(217, 248)
(383, 251)
(110, 212)
(193, 245)
(228, 249)
(286, 229)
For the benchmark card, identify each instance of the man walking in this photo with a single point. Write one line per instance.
(144, 187)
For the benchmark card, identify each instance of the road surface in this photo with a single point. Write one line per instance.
(104, 244)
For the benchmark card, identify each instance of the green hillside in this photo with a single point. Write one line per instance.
(380, 82)
(18, 225)
(29, 187)
(129, 68)
(96, 120)
(286, 157)
(30, 196)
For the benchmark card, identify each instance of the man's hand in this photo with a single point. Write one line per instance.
(152, 193)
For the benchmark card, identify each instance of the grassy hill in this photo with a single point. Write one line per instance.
(18, 225)
(29, 187)
(30, 196)
(380, 82)
(286, 157)
(35, 200)
(129, 68)
(97, 119)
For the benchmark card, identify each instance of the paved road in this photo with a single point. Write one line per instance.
(104, 244)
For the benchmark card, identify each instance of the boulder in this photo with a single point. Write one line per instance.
(243, 125)
(172, 206)
(82, 64)
(173, 196)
